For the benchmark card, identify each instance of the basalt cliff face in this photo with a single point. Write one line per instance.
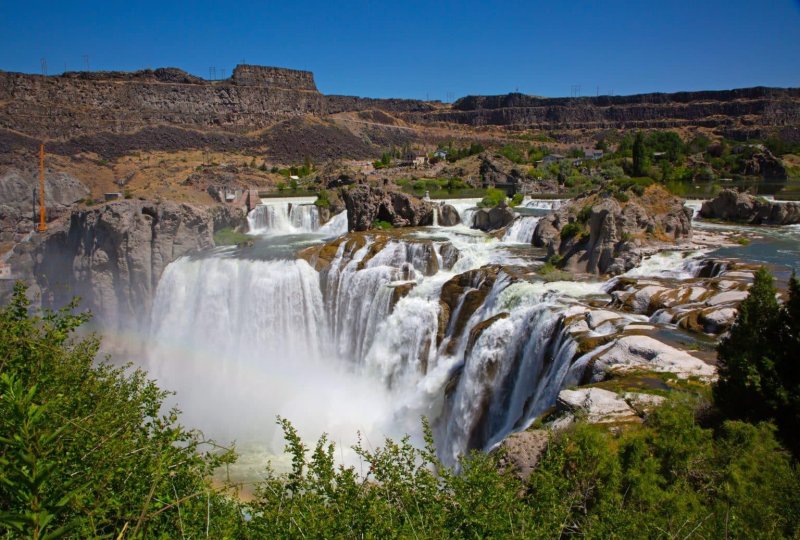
(78, 104)
(112, 256)
(746, 108)
(254, 97)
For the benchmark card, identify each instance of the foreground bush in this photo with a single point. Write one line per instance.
(84, 448)
(85, 452)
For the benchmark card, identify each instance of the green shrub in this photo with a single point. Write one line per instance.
(492, 198)
(516, 200)
(571, 229)
(584, 214)
(229, 237)
(86, 448)
(382, 225)
(322, 199)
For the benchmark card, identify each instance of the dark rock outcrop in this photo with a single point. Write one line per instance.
(496, 170)
(19, 204)
(730, 205)
(600, 235)
(366, 204)
(493, 218)
(112, 256)
(766, 165)
(448, 215)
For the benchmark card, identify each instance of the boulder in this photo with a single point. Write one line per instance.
(366, 204)
(605, 236)
(635, 352)
(520, 452)
(731, 205)
(494, 218)
(598, 405)
(448, 215)
(765, 165)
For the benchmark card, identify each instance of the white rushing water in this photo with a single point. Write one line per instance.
(521, 231)
(242, 341)
(352, 350)
(293, 216)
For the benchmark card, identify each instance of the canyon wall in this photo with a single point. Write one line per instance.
(746, 107)
(254, 97)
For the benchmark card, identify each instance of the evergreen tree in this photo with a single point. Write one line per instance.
(639, 157)
(759, 372)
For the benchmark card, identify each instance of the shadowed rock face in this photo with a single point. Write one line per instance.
(19, 205)
(494, 218)
(600, 235)
(112, 256)
(366, 204)
(743, 207)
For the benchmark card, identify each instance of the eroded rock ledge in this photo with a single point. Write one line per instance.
(599, 234)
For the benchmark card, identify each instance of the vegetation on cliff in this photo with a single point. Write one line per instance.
(86, 450)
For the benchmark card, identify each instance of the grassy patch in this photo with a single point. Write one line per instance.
(382, 225)
(229, 237)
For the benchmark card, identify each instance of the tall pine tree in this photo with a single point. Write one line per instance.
(759, 361)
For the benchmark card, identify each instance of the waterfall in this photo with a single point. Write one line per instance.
(241, 341)
(511, 373)
(543, 204)
(521, 231)
(340, 351)
(293, 216)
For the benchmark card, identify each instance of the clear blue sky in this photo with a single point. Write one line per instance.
(419, 49)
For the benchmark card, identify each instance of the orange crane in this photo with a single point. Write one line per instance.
(42, 225)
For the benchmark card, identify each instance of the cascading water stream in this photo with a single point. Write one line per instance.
(521, 231)
(294, 216)
(339, 352)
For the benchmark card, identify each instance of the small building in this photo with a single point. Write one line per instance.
(551, 158)
(440, 153)
(5, 271)
(420, 160)
(659, 155)
(592, 153)
(113, 196)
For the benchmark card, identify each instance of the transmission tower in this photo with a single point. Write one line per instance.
(43, 62)
(86, 61)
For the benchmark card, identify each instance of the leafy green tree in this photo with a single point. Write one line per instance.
(639, 154)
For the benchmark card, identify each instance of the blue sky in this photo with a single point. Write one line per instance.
(425, 49)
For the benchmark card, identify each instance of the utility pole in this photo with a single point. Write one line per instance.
(86, 61)
(43, 62)
(42, 225)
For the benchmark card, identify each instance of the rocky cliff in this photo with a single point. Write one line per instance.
(19, 204)
(82, 103)
(599, 234)
(741, 108)
(730, 205)
(112, 256)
